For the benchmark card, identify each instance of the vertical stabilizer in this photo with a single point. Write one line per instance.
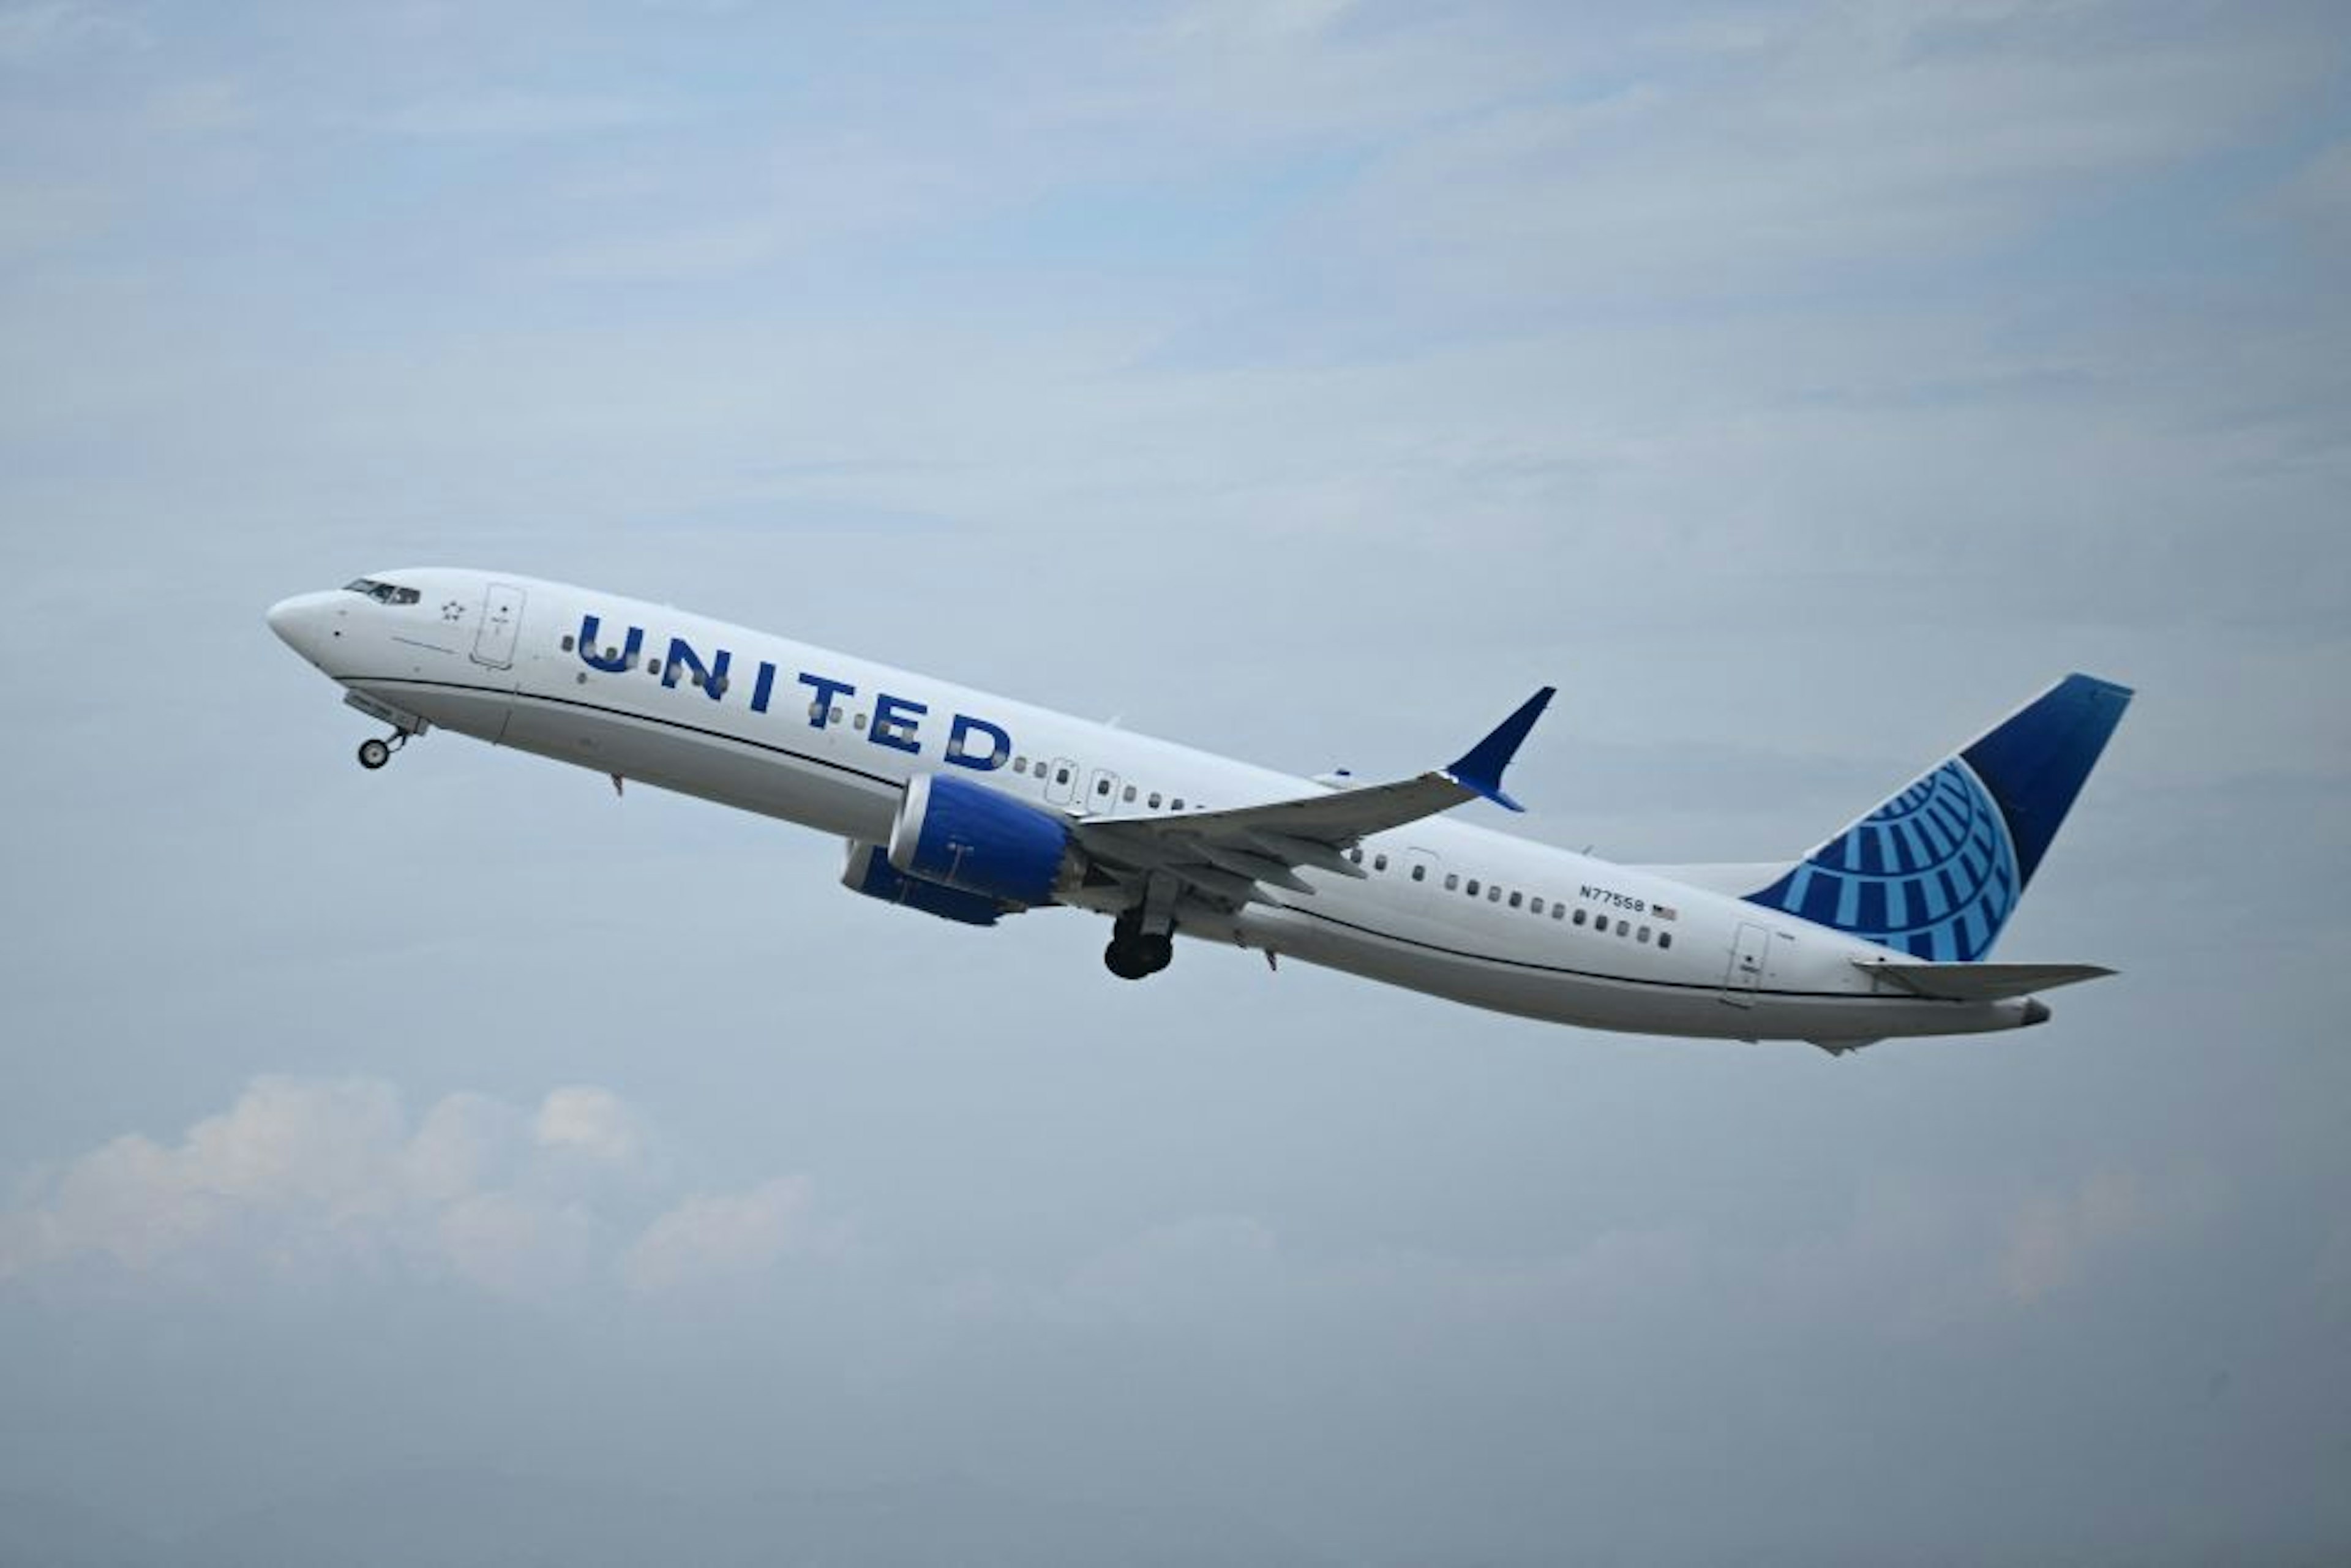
(1936, 870)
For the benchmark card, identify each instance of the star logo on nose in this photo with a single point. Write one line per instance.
(453, 611)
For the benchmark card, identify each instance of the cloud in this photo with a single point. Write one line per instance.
(55, 30)
(2053, 1238)
(1908, 1261)
(329, 1180)
(718, 1238)
(1814, 142)
(593, 1122)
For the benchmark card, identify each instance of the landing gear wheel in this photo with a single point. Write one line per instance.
(1133, 955)
(374, 754)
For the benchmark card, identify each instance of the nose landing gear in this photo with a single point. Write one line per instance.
(374, 754)
(405, 727)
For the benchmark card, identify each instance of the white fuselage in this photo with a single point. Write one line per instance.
(791, 732)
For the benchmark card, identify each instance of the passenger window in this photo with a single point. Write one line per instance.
(1356, 856)
(834, 718)
(566, 641)
(1101, 786)
(1177, 804)
(1624, 928)
(1665, 938)
(652, 666)
(1494, 893)
(1380, 862)
(816, 713)
(1420, 873)
(1061, 776)
(1559, 912)
(1155, 799)
(1130, 794)
(1472, 888)
(1452, 880)
(696, 677)
(1642, 934)
(1514, 901)
(1020, 764)
(859, 722)
(1534, 907)
(1579, 918)
(719, 685)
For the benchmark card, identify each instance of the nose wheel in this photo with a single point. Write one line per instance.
(374, 754)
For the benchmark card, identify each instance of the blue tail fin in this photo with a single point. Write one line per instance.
(1936, 870)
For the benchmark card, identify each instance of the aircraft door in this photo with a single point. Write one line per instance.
(1062, 783)
(1101, 795)
(493, 645)
(1748, 950)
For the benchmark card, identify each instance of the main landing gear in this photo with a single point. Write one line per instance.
(1134, 954)
(1142, 940)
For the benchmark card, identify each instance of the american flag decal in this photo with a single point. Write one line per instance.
(1664, 912)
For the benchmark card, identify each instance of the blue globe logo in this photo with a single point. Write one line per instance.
(1932, 872)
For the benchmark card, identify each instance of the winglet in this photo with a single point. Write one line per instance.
(1480, 770)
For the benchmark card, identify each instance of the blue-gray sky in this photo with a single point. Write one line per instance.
(457, 1158)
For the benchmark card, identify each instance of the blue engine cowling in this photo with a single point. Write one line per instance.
(871, 873)
(970, 837)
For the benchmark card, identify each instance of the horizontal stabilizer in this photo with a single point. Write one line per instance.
(1979, 982)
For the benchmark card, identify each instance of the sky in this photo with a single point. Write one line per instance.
(456, 1163)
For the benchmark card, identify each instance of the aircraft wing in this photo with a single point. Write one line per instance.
(1224, 854)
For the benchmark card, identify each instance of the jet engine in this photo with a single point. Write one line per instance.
(970, 837)
(871, 873)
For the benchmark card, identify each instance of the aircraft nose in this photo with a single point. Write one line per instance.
(299, 623)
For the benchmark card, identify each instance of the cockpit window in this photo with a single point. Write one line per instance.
(382, 592)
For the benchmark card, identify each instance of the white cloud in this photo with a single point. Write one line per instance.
(328, 1178)
(315, 1161)
(511, 1244)
(714, 1238)
(590, 1121)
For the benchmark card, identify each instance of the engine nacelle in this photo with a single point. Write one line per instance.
(871, 873)
(969, 837)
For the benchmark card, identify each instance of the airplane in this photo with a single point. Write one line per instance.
(972, 807)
